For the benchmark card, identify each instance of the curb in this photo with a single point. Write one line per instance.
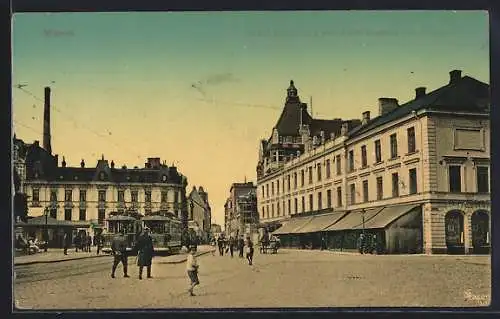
(184, 259)
(54, 261)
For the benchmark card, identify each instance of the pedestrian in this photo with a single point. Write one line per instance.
(77, 242)
(249, 251)
(144, 248)
(99, 239)
(361, 244)
(89, 243)
(119, 251)
(241, 246)
(323, 242)
(192, 270)
(220, 243)
(213, 244)
(66, 243)
(232, 245)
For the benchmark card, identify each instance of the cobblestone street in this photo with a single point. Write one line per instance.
(292, 278)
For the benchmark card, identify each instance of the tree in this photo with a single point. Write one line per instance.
(20, 206)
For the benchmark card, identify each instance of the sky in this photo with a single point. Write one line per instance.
(200, 89)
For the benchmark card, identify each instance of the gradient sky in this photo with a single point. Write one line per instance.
(122, 82)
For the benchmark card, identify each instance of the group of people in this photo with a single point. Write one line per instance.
(83, 242)
(232, 244)
(368, 244)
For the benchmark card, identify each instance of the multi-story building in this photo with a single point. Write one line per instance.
(90, 194)
(428, 160)
(19, 160)
(199, 213)
(240, 209)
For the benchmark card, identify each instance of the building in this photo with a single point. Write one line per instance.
(215, 230)
(416, 176)
(199, 213)
(241, 216)
(19, 160)
(87, 195)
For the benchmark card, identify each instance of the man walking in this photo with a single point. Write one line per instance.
(145, 250)
(119, 250)
(232, 244)
(66, 243)
(241, 246)
(99, 242)
(249, 251)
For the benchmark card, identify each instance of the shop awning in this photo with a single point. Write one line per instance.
(320, 222)
(49, 221)
(354, 219)
(292, 225)
(387, 216)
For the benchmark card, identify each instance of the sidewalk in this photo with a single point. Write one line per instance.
(54, 255)
(57, 255)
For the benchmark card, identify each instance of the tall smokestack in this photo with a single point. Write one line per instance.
(46, 122)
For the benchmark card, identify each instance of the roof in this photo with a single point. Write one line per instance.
(120, 218)
(467, 94)
(320, 222)
(155, 218)
(387, 216)
(354, 219)
(289, 121)
(291, 226)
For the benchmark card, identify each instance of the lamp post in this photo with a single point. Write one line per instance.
(363, 217)
(46, 231)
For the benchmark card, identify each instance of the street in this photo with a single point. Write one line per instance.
(291, 278)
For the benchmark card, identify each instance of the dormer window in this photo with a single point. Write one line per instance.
(101, 176)
(164, 178)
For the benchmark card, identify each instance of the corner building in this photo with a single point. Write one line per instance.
(417, 176)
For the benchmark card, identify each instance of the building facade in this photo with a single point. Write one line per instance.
(241, 216)
(199, 213)
(432, 152)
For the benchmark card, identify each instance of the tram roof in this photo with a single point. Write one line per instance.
(120, 218)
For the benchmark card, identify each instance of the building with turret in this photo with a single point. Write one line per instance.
(199, 213)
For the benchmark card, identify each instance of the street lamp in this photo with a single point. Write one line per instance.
(46, 232)
(363, 217)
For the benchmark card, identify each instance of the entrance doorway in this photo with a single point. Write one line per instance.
(480, 223)
(454, 229)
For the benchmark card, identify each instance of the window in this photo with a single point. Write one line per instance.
(68, 195)
(455, 178)
(311, 202)
(327, 168)
(102, 196)
(272, 189)
(394, 145)
(413, 180)
(365, 191)
(134, 195)
(378, 152)
(147, 196)
(320, 201)
(121, 196)
(338, 163)
(302, 178)
(267, 190)
(83, 214)
(296, 204)
(263, 193)
(278, 208)
(352, 193)
(363, 156)
(176, 197)
(163, 197)
(319, 171)
(339, 196)
(263, 211)
(267, 211)
(329, 198)
(53, 195)
(67, 214)
(272, 210)
(289, 207)
(303, 204)
(482, 179)
(101, 215)
(395, 185)
(411, 140)
(35, 195)
(83, 195)
(288, 182)
(380, 188)
(294, 180)
(351, 161)
(310, 174)
(278, 187)
(53, 213)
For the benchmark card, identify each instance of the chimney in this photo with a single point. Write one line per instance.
(63, 162)
(419, 92)
(366, 117)
(46, 122)
(387, 104)
(344, 129)
(455, 76)
(112, 164)
(82, 163)
(154, 162)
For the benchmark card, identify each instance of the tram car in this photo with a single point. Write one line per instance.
(115, 225)
(165, 230)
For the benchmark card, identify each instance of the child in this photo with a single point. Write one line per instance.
(192, 270)
(249, 251)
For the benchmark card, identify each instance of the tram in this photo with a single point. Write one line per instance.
(118, 223)
(165, 230)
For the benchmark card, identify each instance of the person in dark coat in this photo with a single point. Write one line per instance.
(89, 243)
(119, 251)
(361, 244)
(220, 243)
(77, 242)
(99, 242)
(66, 243)
(144, 248)
(232, 245)
(241, 246)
